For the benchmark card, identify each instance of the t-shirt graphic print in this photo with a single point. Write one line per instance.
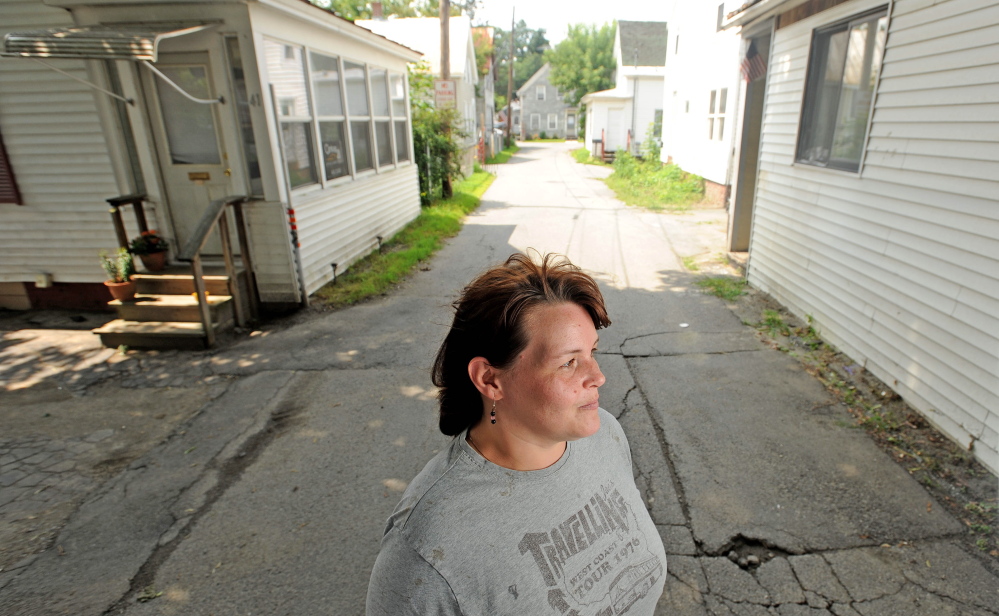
(597, 561)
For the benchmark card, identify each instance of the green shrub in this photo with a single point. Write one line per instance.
(653, 185)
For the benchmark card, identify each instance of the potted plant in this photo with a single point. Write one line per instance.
(151, 249)
(119, 268)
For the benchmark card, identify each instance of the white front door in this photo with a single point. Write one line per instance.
(193, 162)
(614, 138)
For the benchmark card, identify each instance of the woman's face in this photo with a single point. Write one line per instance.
(549, 394)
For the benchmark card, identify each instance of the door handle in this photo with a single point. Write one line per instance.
(228, 172)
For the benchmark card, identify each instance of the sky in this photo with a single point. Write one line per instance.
(554, 16)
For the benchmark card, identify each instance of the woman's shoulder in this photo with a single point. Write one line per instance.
(610, 434)
(419, 496)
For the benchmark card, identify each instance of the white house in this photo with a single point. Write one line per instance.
(622, 116)
(875, 207)
(424, 35)
(700, 95)
(186, 103)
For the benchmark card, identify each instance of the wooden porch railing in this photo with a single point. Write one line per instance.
(119, 224)
(215, 217)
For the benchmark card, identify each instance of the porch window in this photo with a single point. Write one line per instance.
(839, 91)
(360, 118)
(243, 116)
(287, 73)
(332, 119)
(352, 116)
(397, 93)
(382, 116)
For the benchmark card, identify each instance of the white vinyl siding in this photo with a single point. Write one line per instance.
(340, 226)
(273, 262)
(899, 266)
(55, 143)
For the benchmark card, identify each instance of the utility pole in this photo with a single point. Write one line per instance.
(446, 190)
(509, 82)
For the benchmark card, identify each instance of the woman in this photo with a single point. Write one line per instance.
(534, 509)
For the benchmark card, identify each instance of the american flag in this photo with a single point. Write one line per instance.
(753, 66)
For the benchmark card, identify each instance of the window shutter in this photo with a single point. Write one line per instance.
(8, 187)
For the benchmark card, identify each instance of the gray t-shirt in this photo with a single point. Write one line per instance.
(472, 538)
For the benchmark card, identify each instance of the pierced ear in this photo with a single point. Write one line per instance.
(483, 376)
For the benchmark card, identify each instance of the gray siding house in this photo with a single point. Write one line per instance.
(544, 109)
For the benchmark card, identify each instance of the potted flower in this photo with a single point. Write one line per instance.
(152, 250)
(119, 268)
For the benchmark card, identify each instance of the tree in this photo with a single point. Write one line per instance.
(361, 9)
(483, 50)
(529, 47)
(436, 136)
(583, 62)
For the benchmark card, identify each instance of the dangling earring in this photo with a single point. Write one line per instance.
(492, 413)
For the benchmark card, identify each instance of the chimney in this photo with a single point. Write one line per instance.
(376, 10)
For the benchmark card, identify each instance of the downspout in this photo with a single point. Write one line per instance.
(292, 222)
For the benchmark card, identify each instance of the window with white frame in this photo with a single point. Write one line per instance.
(397, 93)
(539, 92)
(360, 118)
(354, 118)
(334, 151)
(716, 114)
(286, 66)
(552, 121)
(535, 121)
(382, 115)
(839, 91)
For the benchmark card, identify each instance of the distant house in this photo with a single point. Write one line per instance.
(622, 116)
(424, 35)
(190, 103)
(869, 168)
(544, 108)
(700, 95)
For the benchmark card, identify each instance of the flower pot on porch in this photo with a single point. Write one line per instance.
(121, 291)
(154, 261)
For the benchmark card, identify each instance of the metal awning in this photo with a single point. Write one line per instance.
(115, 42)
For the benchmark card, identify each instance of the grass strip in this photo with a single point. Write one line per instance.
(654, 186)
(418, 241)
(582, 155)
(724, 287)
(503, 156)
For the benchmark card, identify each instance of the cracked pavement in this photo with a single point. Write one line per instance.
(271, 496)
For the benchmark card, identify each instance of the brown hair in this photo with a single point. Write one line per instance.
(489, 322)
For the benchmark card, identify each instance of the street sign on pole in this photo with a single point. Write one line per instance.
(445, 94)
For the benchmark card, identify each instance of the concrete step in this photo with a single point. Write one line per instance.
(178, 284)
(152, 334)
(184, 308)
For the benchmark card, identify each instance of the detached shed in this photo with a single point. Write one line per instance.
(297, 114)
